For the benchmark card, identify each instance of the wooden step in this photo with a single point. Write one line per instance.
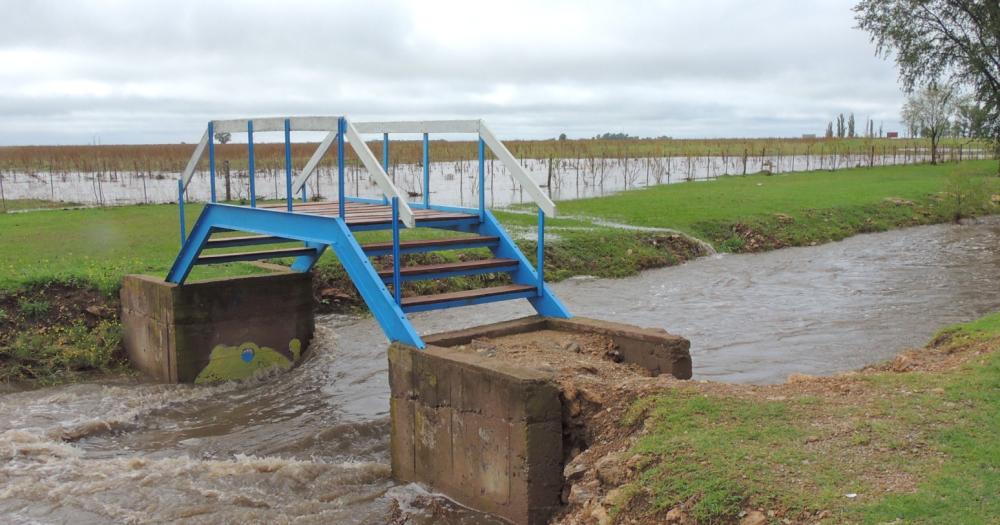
(255, 256)
(442, 270)
(249, 240)
(431, 245)
(467, 295)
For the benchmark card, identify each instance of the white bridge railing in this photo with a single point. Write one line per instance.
(340, 131)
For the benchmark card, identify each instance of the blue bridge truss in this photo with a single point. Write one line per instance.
(313, 227)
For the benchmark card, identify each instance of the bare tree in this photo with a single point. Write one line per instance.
(930, 111)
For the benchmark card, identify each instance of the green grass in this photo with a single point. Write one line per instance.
(722, 453)
(61, 353)
(33, 204)
(93, 246)
(97, 246)
(965, 488)
(814, 207)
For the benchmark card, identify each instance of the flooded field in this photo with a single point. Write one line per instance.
(311, 446)
(451, 183)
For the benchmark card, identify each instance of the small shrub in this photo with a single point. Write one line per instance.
(965, 196)
(34, 309)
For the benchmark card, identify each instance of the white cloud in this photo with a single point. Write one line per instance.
(146, 72)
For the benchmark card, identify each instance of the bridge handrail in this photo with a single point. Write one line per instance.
(329, 124)
(485, 134)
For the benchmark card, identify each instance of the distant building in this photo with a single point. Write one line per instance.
(808, 135)
(892, 135)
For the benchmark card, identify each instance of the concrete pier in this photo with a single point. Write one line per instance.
(217, 329)
(489, 434)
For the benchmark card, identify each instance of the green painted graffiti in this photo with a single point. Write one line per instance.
(242, 361)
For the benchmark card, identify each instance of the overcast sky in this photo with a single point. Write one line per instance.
(145, 72)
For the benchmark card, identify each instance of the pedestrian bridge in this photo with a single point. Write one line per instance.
(331, 225)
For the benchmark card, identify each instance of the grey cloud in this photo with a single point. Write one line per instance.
(145, 71)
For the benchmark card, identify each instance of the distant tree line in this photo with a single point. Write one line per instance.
(845, 128)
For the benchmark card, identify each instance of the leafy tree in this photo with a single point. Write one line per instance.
(972, 119)
(841, 129)
(223, 137)
(829, 130)
(850, 126)
(955, 41)
(930, 111)
(562, 136)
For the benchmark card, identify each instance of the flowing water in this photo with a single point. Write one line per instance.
(310, 446)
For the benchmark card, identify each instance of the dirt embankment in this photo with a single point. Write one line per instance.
(607, 480)
(56, 304)
(56, 332)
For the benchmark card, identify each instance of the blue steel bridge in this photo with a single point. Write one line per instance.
(319, 226)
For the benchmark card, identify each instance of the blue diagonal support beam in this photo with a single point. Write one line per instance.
(314, 230)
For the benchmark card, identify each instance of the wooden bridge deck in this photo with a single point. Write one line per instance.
(365, 214)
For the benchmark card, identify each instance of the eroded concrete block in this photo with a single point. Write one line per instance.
(217, 329)
(488, 433)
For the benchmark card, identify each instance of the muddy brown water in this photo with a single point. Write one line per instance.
(310, 446)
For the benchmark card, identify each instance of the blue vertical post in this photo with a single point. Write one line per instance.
(385, 158)
(341, 128)
(251, 169)
(305, 194)
(482, 179)
(427, 172)
(211, 158)
(396, 284)
(541, 250)
(180, 208)
(288, 163)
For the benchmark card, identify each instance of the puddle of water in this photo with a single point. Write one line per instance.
(311, 446)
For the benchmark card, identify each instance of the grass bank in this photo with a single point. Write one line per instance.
(92, 249)
(909, 441)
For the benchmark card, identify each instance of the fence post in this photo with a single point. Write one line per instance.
(211, 159)
(288, 164)
(229, 195)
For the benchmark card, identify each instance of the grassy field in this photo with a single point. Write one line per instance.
(32, 204)
(98, 246)
(913, 441)
(154, 158)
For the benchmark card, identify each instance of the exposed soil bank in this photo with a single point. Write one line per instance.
(59, 332)
(867, 446)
